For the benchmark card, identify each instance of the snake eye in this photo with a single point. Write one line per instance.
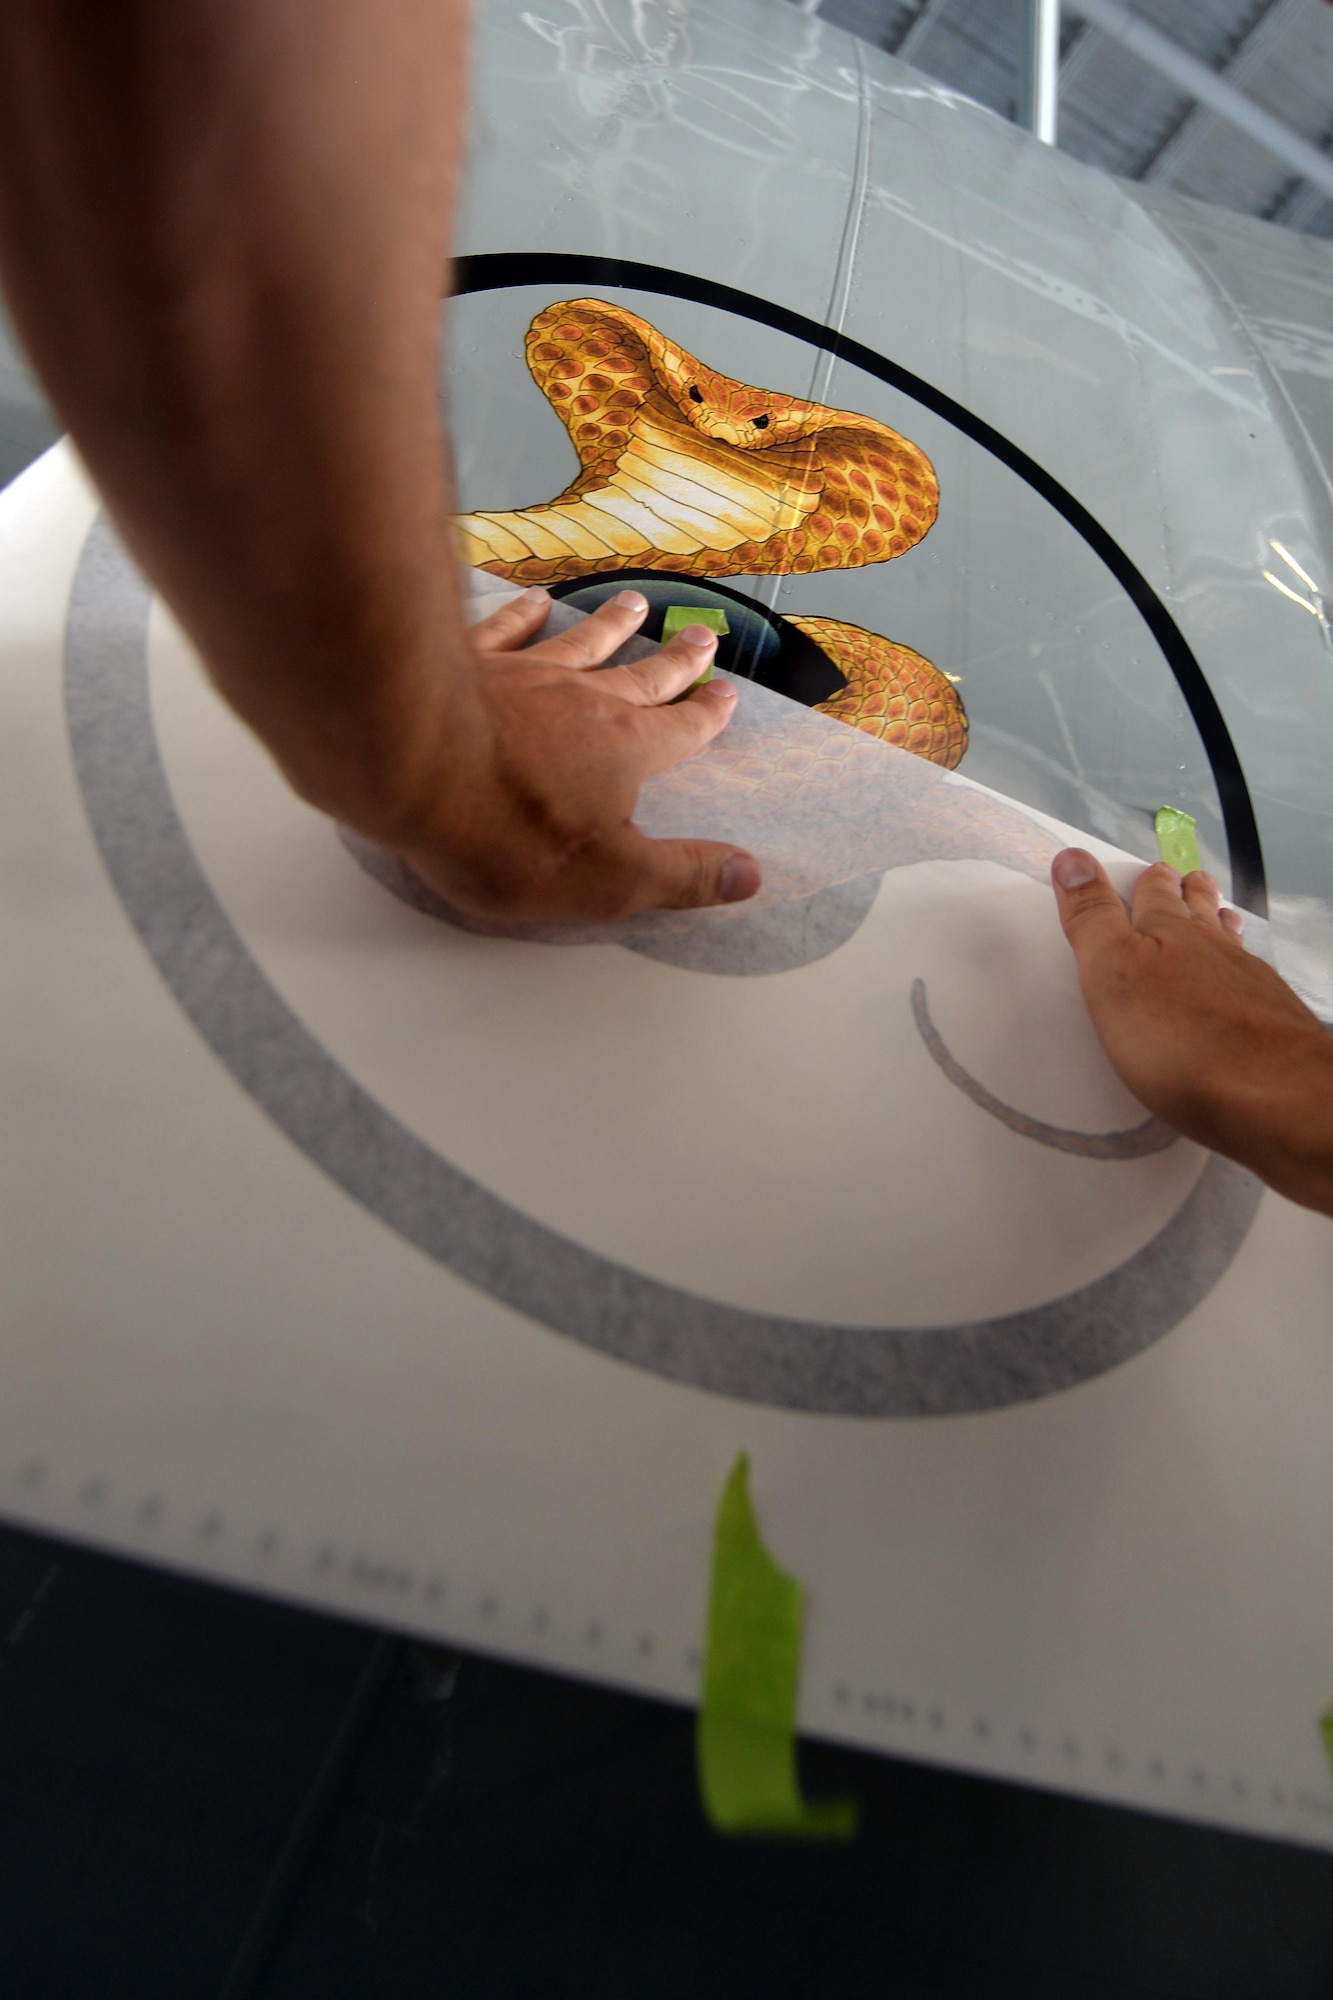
(761, 423)
(696, 395)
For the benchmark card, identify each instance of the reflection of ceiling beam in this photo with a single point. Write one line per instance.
(1302, 207)
(1242, 66)
(921, 24)
(1080, 49)
(1204, 85)
(1036, 55)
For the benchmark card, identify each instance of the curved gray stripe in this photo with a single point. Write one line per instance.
(779, 938)
(762, 1357)
(1135, 1143)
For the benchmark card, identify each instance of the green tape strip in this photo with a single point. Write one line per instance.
(1326, 1731)
(678, 616)
(1176, 840)
(746, 1737)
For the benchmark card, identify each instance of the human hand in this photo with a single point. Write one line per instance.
(1211, 1039)
(536, 822)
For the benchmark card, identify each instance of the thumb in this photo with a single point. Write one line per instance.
(1091, 912)
(692, 875)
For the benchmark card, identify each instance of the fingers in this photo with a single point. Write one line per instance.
(667, 673)
(645, 683)
(514, 623)
(596, 637)
(1159, 898)
(668, 735)
(1091, 912)
(1203, 898)
(687, 874)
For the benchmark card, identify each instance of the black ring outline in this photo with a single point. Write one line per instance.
(501, 270)
(773, 619)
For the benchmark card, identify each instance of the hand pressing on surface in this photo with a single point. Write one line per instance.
(221, 232)
(1208, 1037)
(540, 824)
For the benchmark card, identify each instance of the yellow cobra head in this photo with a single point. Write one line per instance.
(735, 414)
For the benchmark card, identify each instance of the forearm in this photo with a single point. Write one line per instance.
(1275, 1116)
(222, 232)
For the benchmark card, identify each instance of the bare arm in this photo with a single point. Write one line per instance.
(1204, 1034)
(222, 233)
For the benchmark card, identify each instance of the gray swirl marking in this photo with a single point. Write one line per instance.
(812, 1365)
(1152, 1136)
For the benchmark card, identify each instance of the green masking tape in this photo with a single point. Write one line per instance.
(678, 616)
(752, 1662)
(1326, 1731)
(1176, 841)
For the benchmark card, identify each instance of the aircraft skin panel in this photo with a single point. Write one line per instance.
(1042, 300)
(899, 1119)
(499, 1242)
(1045, 299)
(773, 122)
(1277, 283)
(1091, 338)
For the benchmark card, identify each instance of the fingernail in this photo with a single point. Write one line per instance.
(535, 593)
(631, 600)
(698, 635)
(740, 877)
(1073, 868)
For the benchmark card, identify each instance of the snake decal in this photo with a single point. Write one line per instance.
(683, 470)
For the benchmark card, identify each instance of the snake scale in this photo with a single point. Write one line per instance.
(684, 469)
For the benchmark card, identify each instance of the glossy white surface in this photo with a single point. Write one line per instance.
(757, 1140)
(213, 1358)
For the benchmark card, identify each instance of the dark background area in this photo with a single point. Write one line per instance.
(205, 1796)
